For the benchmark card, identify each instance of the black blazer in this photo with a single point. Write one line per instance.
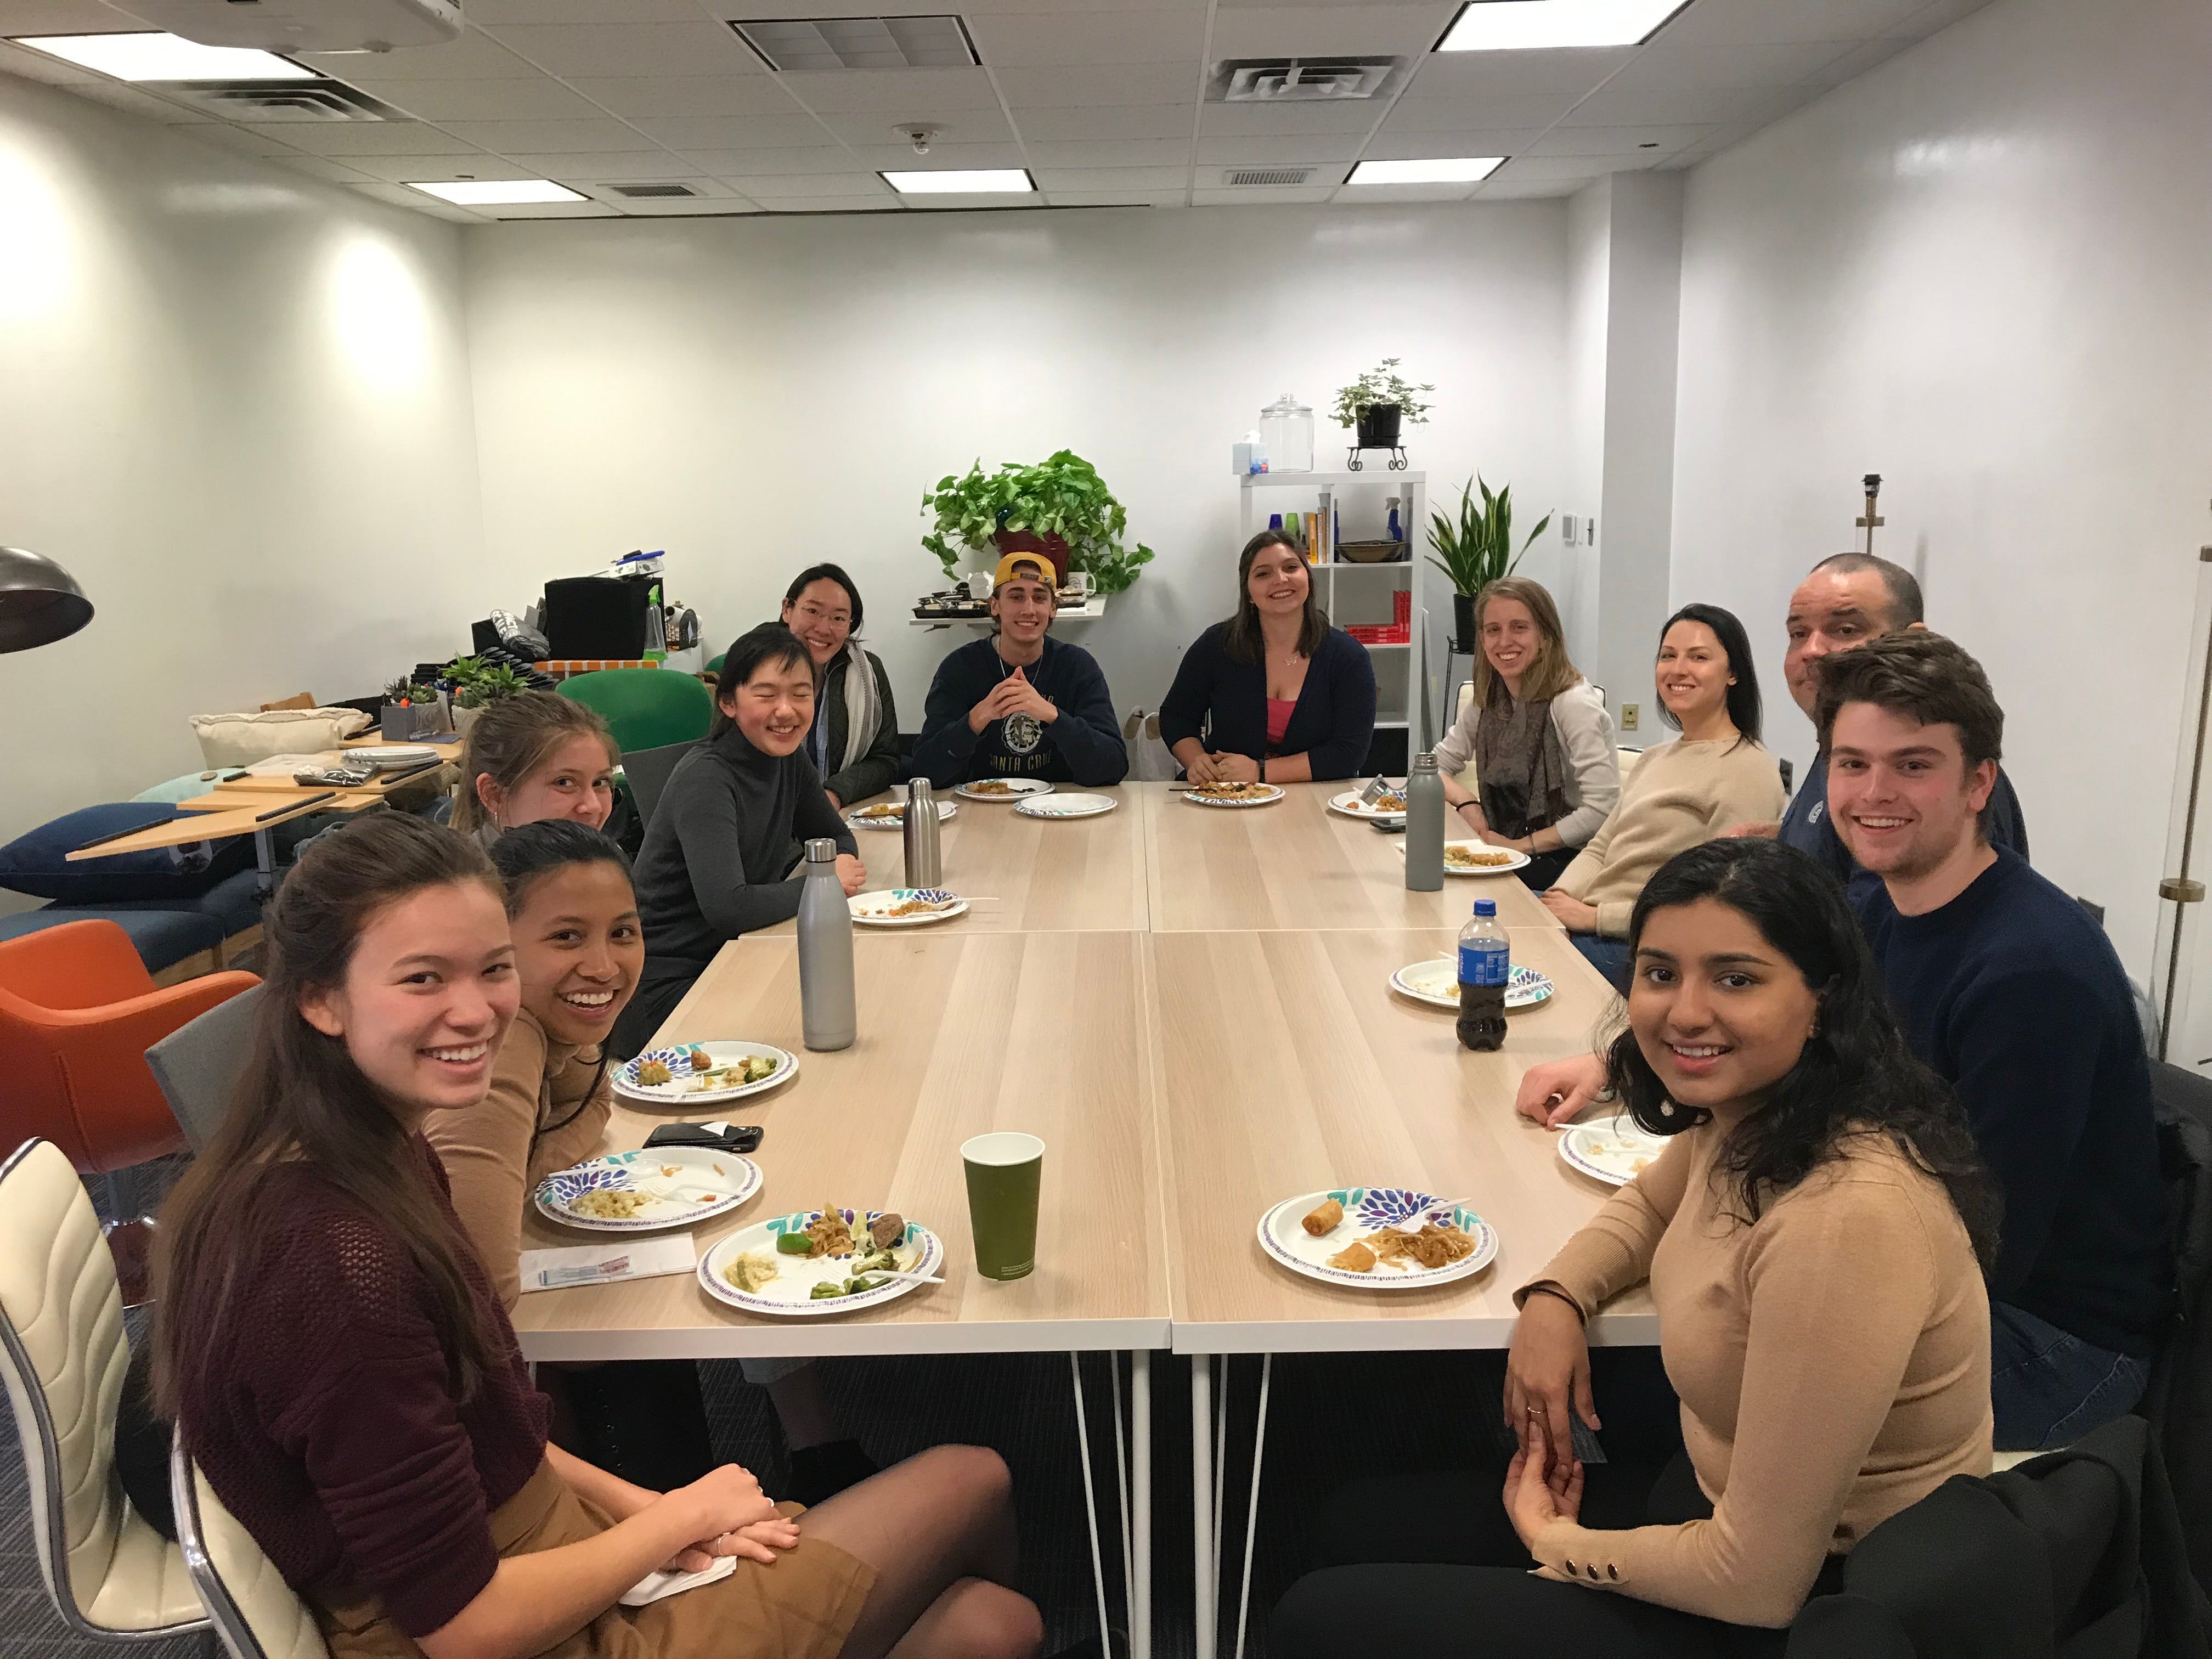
(1332, 726)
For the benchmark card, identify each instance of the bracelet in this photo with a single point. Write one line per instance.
(1547, 1288)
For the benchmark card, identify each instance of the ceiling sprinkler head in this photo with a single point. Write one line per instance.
(918, 136)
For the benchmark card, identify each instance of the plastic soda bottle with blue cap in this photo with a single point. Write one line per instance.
(1486, 964)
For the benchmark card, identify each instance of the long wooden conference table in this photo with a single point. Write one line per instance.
(1189, 1005)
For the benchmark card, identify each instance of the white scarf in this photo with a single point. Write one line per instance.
(864, 711)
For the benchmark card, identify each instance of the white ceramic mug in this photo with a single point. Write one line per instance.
(1079, 581)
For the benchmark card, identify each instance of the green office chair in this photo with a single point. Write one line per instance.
(646, 708)
(715, 666)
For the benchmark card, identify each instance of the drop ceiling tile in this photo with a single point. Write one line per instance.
(739, 163)
(1779, 64)
(1112, 198)
(1061, 86)
(1110, 121)
(643, 95)
(1109, 152)
(1760, 22)
(1018, 38)
(1439, 116)
(475, 57)
(1527, 190)
(892, 157)
(730, 132)
(959, 126)
(1857, 62)
(769, 187)
(319, 166)
(1940, 15)
(1427, 146)
(552, 210)
(1451, 76)
(136, 100)
(1570, 166)
(1613, 106)
(1293, 149)
(634, 46)
(629, 164)
(239, 141)
(537, 100)
(1254, 197)
(1617, 141)
(892, 92)
(712, 207)
(500, 15)
(1268, 121)
(885, 204)
(365, 137)
(63, 17)
(1135, 180)
(1273, 30)
(430, 169)
(38, 66)
(1354, 194)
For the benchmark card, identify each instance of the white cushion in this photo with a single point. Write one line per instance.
(265, 1616)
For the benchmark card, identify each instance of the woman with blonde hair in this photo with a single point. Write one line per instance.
(533, 756)
(1536, 732)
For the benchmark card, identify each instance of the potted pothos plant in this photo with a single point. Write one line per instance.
(1059, 506)
(1476, 548)
(1375, 403)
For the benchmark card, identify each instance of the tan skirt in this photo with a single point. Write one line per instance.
(802, 1607)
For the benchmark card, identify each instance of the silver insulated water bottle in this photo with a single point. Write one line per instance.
(925, 858)
(825, 951)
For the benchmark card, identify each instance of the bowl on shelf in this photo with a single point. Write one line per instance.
(1370, 552)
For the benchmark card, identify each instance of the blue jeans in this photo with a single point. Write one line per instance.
(1608, 956)
(2049, 1387)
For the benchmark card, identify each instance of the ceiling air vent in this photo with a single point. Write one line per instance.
(1242, 176)
(282, 101)
(859, 43)
(1302, 80)
(652, 192)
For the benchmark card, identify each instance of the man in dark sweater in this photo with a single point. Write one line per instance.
(1020, 705)
(2005, 987)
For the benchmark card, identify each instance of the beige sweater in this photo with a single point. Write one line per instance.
(1680, 793)
(543, 1114)
(1832, 1359)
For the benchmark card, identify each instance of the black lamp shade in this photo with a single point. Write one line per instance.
(40, 601)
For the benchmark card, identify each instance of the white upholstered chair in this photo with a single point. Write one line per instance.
(111, 1577)
(257, 1613)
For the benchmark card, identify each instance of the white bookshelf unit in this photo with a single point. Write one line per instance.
(1354, 593)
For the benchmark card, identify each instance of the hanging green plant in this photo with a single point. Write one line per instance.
(1060, 496)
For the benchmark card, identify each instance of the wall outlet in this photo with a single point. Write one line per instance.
(1628, 717)
(1570, 523)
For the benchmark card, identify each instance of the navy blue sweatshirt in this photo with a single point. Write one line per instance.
(2015, 997)
(1084, 746)
(1806, 826)
(1332, 726)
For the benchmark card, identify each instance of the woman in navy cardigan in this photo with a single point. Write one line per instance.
(1290, 699)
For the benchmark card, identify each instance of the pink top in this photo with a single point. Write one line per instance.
(1278, 719)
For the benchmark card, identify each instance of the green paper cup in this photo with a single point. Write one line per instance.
(1003, 1173)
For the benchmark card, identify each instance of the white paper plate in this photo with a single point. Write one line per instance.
(1348, 804)
(896, 820)
(868, 909)
(1436, 982)
(679, 1092)
(788, 1296)
(647, 1171)
(1366, 1210)
(1015, 789)
(1611, 1149)
(390, 757)
(1518, 859)
(1274, 793)
(1066, 806)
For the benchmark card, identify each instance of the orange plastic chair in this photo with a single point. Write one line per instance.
(78, 1012)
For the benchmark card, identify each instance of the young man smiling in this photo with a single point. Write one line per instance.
(1020, 704)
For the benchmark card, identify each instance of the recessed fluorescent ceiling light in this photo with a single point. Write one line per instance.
(1515, 25)
(158, 56)
(964, 181)
(497, 192)
(1453, 170)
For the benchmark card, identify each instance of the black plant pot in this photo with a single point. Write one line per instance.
(1378, 426)
(1463, 623)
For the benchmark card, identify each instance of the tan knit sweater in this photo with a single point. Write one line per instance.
(1680, 793)
(1832, 1359)
(543, 1114)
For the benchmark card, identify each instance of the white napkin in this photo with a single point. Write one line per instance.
(605, 1264)
(654, 1586)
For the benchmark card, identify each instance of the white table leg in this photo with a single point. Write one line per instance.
(1201, 1502)
(1140, 1448)
(1252, 1503)
(1089, 1498)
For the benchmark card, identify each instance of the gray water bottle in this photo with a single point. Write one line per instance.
(925, 859)
(1424, 825)
(825, 951)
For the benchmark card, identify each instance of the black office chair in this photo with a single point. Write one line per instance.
(648, 770)
(2178, 1402)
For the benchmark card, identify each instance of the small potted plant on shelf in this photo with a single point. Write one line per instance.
(1060, 507)
(409, 710)
(1477, 549)
(1375, 403)
(477, 685)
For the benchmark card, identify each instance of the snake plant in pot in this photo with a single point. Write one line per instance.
(1060, 506)
(1476, 549)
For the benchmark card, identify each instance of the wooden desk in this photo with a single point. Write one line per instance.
(225, 817)
(230, 791)
(1298, 865)
(1049, 875)
(961, 1034)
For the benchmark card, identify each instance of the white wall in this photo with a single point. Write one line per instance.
(237, 410)
(1979, 271)
(753, 395)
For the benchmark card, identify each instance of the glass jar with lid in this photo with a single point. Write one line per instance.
(1287, 426)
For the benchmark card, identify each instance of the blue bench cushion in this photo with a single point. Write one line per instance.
(36, 862)
(233, 901)
(163, 938)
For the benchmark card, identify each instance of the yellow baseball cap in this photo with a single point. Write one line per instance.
(1040, 568)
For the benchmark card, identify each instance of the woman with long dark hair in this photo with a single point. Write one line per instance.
(855, 741)
(1714, 775)
(1275, 695)
(1814, 1237)
(339, 1366)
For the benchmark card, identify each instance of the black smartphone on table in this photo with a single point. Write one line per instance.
(738, 1137)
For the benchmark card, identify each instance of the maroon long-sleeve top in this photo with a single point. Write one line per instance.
(325, 1416)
